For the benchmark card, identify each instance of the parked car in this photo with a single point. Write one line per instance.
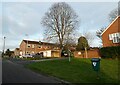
(65, 54)
(38, 55)
(20, 56)
(27, 56)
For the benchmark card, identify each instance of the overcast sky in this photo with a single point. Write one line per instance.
(20, 18)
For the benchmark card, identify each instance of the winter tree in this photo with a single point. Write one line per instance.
(60, 21)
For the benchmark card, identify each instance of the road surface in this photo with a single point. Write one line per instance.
(16, 73)
(0, 69)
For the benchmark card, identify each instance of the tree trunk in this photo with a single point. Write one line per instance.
(86, 52)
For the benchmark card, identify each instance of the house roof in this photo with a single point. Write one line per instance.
(31, 42)
(16, 48)
(110, 24)
(11, 51)
(39, 42)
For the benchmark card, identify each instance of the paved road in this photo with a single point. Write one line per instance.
(0, 70)
(23, 62)
(16, 73)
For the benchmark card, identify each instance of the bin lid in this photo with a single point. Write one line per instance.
(95, 59)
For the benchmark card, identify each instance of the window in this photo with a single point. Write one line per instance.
(33, 46)
(28, 45)
(112, 35)
(116, 40)
(115, 37)
(119, 35)
(39, 46)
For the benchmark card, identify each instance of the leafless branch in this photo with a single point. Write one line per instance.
(60, 20)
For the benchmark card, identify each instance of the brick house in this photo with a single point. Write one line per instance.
(111, 35)
(17, 51)
(33, 47)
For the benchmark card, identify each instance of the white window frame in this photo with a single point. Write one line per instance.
(119, 35)
(115, 37)
(110, 37)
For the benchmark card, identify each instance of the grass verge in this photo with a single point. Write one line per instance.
(78, 70)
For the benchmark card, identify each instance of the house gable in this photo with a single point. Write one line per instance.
(117, 18)
(111, 35)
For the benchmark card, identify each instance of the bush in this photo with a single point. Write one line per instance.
(110, 52)
(16, 56)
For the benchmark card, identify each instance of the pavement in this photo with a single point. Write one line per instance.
(13, 71)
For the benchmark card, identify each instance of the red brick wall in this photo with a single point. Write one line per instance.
(91, 54)
(22, 47)
(112, 29)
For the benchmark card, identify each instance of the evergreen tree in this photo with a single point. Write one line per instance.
(82, 43)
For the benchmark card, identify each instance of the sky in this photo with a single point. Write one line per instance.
(20, 18)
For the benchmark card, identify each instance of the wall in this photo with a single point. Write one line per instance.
(47, 53)
(56, 53)
(22, 48)
(52, 53)
(94, 53)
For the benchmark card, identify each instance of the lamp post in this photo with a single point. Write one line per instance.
(3, 46)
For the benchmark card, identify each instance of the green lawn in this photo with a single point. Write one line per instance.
(78, 70)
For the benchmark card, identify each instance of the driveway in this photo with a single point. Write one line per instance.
(16, 73)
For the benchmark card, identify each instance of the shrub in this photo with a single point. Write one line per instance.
(110, 52)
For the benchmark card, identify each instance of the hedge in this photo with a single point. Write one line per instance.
(110, 52)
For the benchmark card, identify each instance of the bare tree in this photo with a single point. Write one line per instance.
(99, 32)
(114, 13)
(90, 37)
(60, 21)
(71, 39)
